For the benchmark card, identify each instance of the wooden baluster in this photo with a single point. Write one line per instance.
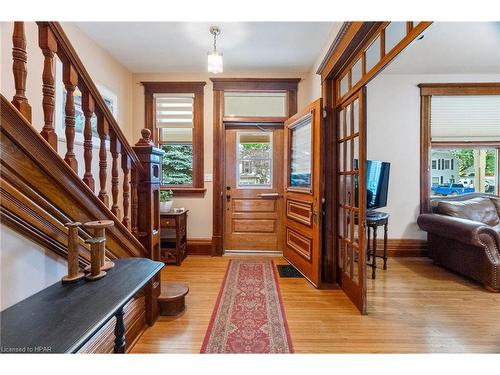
(70, 79)
(48, 44)
(102, 130)
(19, 68)
(126, 188)
(115, 147)
(135, 199)
(88, 108)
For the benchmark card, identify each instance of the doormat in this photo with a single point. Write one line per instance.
(248, 316)
(287, 270)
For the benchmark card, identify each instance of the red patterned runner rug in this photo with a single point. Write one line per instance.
(248, 316)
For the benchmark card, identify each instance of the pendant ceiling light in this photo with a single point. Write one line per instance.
(215, 58)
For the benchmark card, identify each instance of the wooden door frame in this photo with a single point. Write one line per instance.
(221, 85)
(351, 39)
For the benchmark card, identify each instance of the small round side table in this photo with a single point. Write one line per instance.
(375, 219)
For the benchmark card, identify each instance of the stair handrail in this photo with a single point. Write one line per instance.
(141, 164)
(84, 78)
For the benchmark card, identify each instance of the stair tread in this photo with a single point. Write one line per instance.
(173, 291)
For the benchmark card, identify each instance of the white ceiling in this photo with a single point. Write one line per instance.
(183, 46)
(452, 48)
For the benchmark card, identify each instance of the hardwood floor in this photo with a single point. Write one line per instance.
(413, 307)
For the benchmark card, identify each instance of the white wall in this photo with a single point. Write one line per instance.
(315, 79)
(25, 267)
(393, 135)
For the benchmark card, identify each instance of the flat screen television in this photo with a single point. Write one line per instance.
(377, 184)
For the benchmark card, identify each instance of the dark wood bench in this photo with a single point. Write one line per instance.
(63, 317)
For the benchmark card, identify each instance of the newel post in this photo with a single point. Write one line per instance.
(148, 218)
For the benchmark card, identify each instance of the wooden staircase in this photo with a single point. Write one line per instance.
(41, 191)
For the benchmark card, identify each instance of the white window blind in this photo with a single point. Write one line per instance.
(174, 110)
(465, 118)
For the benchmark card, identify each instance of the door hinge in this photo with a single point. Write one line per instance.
(325, 112)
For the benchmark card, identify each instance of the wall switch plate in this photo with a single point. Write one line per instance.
(208, 177)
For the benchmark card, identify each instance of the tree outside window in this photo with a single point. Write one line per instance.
(177, 164)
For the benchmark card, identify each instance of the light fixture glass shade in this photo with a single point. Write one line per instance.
(215, 62)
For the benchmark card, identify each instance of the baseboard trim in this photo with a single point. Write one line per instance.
(199, 246)
(252, 253)
(402, 247)
(396, 247)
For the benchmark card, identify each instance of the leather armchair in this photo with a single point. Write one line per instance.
(464, 236)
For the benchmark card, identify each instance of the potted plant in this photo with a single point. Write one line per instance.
(166, 200)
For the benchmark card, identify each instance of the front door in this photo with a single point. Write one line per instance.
(254, 189)
(351, 203)
(303, 194)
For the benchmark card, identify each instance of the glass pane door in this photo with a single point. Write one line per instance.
(351, 203)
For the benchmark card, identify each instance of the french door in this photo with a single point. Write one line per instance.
(302, 196)
(351, 199)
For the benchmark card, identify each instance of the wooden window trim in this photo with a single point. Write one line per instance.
(427, 91)
(196, 88)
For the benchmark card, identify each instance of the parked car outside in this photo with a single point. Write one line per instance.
(452, 189)
(489, 184)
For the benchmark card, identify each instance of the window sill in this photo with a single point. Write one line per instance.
(185, 191)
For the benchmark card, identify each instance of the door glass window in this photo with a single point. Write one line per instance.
(300, 155)
(254, 152)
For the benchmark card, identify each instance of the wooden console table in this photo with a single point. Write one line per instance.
(173, 227)
(63, 317)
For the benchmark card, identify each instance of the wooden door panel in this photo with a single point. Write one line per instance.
(263, 242)
(301, 244)
(254, 226)
(253, 205)
(253, 214)
(301, 211)
(303, 173)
